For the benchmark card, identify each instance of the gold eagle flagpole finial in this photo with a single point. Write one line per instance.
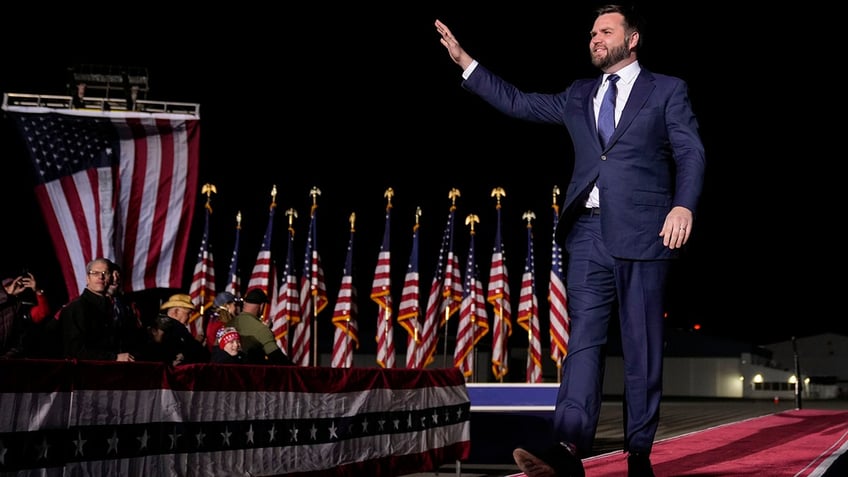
(314, 192)
(208, 189)
(471, 220)
(556, 194)
(273, 196)
(497, 193)
(452, 195)
(388, 195)
(291, 214)
(529, 216)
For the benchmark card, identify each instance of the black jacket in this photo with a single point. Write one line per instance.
(88, 328)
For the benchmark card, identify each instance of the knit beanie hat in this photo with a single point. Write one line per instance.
(227, 334)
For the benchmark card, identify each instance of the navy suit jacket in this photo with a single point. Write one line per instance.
(653, 162)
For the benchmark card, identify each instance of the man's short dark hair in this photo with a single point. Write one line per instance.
(633, 21)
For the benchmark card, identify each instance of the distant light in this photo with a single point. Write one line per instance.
(758, 378)
(793, 379)
(696, 326)
(742, 378)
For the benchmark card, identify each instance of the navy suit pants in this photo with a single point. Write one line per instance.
(595, 283)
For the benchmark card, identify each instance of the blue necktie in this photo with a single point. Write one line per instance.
(606, 115)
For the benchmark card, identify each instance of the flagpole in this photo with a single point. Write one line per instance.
(315, 192)
(530, 268)
(416, 361)
(348, 361)
(503, 338)
(208, 189)
(471, 283)
(448, 291)
(498, 193)
(386, 318)
(473, 352)
(314, 330)
(529, 347)
(447, 319)
(560, 356)
(291, 213)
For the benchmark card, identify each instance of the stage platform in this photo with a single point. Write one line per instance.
(509, 415)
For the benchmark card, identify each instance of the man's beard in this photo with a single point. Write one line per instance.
(614, 55)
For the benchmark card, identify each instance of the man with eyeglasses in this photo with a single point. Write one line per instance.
(88, 327)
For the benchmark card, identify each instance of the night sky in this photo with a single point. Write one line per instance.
(356, 99)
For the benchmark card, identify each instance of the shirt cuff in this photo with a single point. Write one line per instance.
(467, 72)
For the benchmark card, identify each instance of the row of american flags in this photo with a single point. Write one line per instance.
(124, 186)
(455, 293)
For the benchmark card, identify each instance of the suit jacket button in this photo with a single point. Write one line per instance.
(603, 157)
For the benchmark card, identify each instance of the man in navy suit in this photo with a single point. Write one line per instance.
(628, 209)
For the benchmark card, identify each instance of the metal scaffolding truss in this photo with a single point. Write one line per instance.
(97, 104)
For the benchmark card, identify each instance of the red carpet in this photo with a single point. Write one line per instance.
(802, 443)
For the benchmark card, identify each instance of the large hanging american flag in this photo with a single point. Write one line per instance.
(346, 336)
(286, 311)
(202, 289)
(233, 279)
(409, 311)
(528, 309)
(473, 319)
(560, 322)
(381, 293)
(313, 295)
(260, 277)
(498, 296)
(117, 185)
(445, 291)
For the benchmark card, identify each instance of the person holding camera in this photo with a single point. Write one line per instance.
(23, 310)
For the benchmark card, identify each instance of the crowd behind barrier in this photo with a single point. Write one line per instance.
(137, 418)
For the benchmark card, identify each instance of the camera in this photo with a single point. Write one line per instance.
(28, 297)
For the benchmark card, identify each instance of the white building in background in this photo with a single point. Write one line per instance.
(702, 366)
(699, 365)
(823, 357)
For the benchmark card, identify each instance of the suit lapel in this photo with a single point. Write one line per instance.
(589, 107)
(642, 89)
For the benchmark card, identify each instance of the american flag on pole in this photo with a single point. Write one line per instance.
(409, 311)
(233, 279)
(498, 296)
(202, 289)
(313, 296)
(286, 310)
(560, 321)
(528, 309)
(346, 337)
(381, 293)
(473, 319)
(117, 185)
(445, 291)
(260, 277)
(273, 304)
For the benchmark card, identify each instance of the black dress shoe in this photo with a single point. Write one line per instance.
(639, 465)
(557, 461)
